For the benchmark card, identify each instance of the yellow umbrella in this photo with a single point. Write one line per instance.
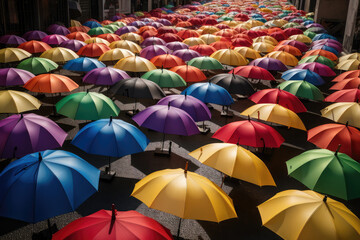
(229, 57)
(301, 38)
(348, 65)
(304, 215)
(134, 37)
(275, 23)
(13, 55)
(209, 29)
(248, 52)
(184, 194)
(97, 40)
(115, 54)
(274, 113)
(234, 161)
(17, 102)
(263, 47)
(254, 23)
(75, 23)
(59, 54)
(231, 24)
(135, 64)
(343, 112)
(245, 25)
(350, 56)
(266, 39)
(209, 38)
(193, 41)
(125, 44)
(284, 57)
(259, 40)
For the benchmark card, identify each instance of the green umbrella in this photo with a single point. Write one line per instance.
(206, 63)
(327, 172)
(282, 15)
(98, 31)
(119, 24)
(219, 13)
(112, 27)
(309, 34)
(87, 106)
(290, 25)
(302, 89)
(319, 59)
(168, 6)
(226, 18)
(37, 65)
(165, 78)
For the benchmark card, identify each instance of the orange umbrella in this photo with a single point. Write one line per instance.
(289, 49)
(93, 50)
(203, 49)
(221, 45)
(110, 37)
(167, 61)
(81, 36)
(189, 73)
(50, 83)
(34, 46)
(146, 28)
(348, 74)
(84, 29)
(149, 33)
(321, 52)
(188, 34)
(184, 24)
(284, 57)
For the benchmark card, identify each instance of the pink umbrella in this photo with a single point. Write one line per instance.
(318, 68)
(54, 39)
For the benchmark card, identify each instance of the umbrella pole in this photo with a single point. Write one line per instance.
(223, 180)
(109, 166)
(179, 227)
(163, 141)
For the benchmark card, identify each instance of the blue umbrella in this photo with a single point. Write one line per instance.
(92, 24)
(323, 36)
(46, 184)
(303, 74)
(83, 64)
(209, 93)
(327, 48)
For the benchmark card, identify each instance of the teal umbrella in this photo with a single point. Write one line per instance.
(327, 172)
(165, 78)
(206, 63)
(302, 89)
(37, 65)
(319, 59)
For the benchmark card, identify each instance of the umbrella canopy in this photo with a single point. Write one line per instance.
(348, 65)
(93, 50)
(254, 72)
(319, 59)
(38, 65)
(270, 64)
(115, 54)
(34, 35)
(114, 225)
(209, 93)
(346, 95)
(302, 89)
(54, 39)
(105, 76)
(249, 133)
(193, 106)
(319, 68)
(72, 44)
(327, 172)
(153, 50)
(294, 214)
(135, 64)
(83, 64)
(192, 199)
(303, 74)
(274, 113)
(234, 84)
(14, 76)
(205, 63)
(17, 102)
(22, 134)
(234, 161)
(248, 52)
(167, 61)
(203, 49)
(46, 184)
(284, 57)
(167, 120)
(348, 74)
(348, 83)
(138, 88)
(8, 55)
(174, 46)
(51, 83)
(186, 54)
(321, 52)
(87, 106)
(34, 46)
(343, 112)
(59, 54)
(189, 73)
(165, 78)
(126, 138)
(125, 44)
(229, 57)
(81, 36)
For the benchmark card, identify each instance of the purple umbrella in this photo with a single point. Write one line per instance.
(154, 50)
(152, 41)
(54, 39)
(137, 24)
(299, 45)
(321, 41)
(147, 20)
(105, 76)
(115, 18)
(329, 44)
(58, 29)
(314, 25)
(72, 44)
(12, 39)
(14, 76)
(186, 54)
(21, 134)
(34, 35)
(193, 106)
(318, 68)
(126, 29)
(164, 22)
(270, 64)
(174, 46)
(156, 24)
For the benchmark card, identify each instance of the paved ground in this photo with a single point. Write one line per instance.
(131, 169)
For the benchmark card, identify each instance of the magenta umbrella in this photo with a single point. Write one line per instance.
(324, 41)
(152, 41)
(58, 29)
(105, 76)
(14, 76)
(299, 45)
(72, 44)
(34, 35)
(186, 54)
(270, 64)
(21, 134)
(126, 29)
(318, 68)
(54, 39)
(154, 50)
(174, 46)
(11, 39)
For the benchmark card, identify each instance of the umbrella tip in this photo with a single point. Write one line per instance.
(325, 198)
(21, 116)
(111, 117)
(40, 157)
(248, 118)
(87, 90)
(337, 150)
(113, 211)
(168, 105)
(347, 123)
(186, 166)
(185, 94)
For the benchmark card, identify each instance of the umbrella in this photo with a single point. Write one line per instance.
(234, 84)
(87, 106)
(248, 52)
(205, 63)
(165, 78)
(110, 37)
(294, 214)
(186, 54)
(153, 50)
(114, 225)
(289, 49)
(126, 29)
(72, 44)
(22, 134)
(167, 61)
(14, 76)
(299, 45)
(270, 64)
(348, 74)
(319, 68)
(234, 161)
(174, 46)
(92, 24)
(105, 76)
(189, 73)
(34, 35)
(278, 96)
(229, 57)
(302, 89)
(38, 65)
(194, 41)
(319, 59)
(58, 29)
(54, 39)
(254, 72)
(327, 172)
(125, 44)
(152, 41)
(210, 38)
(134, 37)
(34, 46)
(17, 102)
(303, 74)
(350, 56)
(93, 50)
(249, 133)
(81, 36)
(46, 184)
(59, 54)
(99, 30)
(8, 55)
(51, 83)
(83, 64)
(115, 54)
(321, 52)
(284, 57)
(347, 65)
(343, 112)
(135, 64)
(274, 113)
(300, 38)
(327, 48)
(348, 83)
(330, 136)
(203, 49)
(11, 40)
(346, 95)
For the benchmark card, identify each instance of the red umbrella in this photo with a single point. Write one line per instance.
(110, 37)
(347, 83)
(93, 50)
(183, 24)
(241, 35)
(249, 133)
(279, 36)
(113, 225)
(254, 72)
(330, 136)
(278, 96)
(170, 37)
(348, 74)
(346, 95)
(241, 42)
(81, 36)
(209, 21)
(195, 21)
(221, 45)
(292, 31)
(189, 73)
(321, 52)
(149, 33)
(84, 29)
(203, 49)
(289, 49)
(34, 46)
(167, 61)
(163, 30)
(184, 34)
(222, 26)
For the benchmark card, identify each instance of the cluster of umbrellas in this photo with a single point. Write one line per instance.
(211, 52)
